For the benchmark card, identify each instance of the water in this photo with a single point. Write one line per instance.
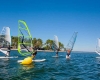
(81, 66)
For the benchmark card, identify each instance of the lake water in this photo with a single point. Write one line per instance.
(81, 66)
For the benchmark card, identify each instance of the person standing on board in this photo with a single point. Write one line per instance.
(35, 49)
(68, 53)
(57, 52)
(30, 49)
(34, 53)
(8, 51)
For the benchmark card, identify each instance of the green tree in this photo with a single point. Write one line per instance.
(14, 40)
(48, 44)
(61, 46)
(34, 41)
(39, 43)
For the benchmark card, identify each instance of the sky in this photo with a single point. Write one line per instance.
(46, 18)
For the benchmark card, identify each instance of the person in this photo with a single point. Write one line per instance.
(30, 49)
(68, 53)
(8, 51)
(57, 52)
(34, 54)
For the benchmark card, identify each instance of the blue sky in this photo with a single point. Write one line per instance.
(47, 18)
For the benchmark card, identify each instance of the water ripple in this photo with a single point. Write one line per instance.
(81, 66)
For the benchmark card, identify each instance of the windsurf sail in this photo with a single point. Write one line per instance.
(71, 43)
(55, 45)
(5, 35)
(5, 52)
(24, 39)
(98, 47)
(5, 39)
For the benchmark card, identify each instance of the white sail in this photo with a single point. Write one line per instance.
(56, 41)
(98, 47)
(99, 42)
(5, 38)
(6, 33)
(5, 52)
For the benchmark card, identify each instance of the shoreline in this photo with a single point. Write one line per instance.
(51, 50)
(43, 50)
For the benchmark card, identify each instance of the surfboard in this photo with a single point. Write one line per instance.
(68, 57)
(8, 57)
(55, 56)
(36, 60)
(58, 56)
(39, 60)
(97, 57)
(61, 55)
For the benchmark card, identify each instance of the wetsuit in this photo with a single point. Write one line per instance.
(34, 54)
(9, 49)
(57, 52)
(68, 52)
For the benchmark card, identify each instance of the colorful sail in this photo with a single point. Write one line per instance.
(71, 43)
(24, 39)
(98, 47)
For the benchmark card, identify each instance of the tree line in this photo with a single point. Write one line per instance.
(38, 43)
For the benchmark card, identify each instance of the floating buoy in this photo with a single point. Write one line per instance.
(27, 61)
